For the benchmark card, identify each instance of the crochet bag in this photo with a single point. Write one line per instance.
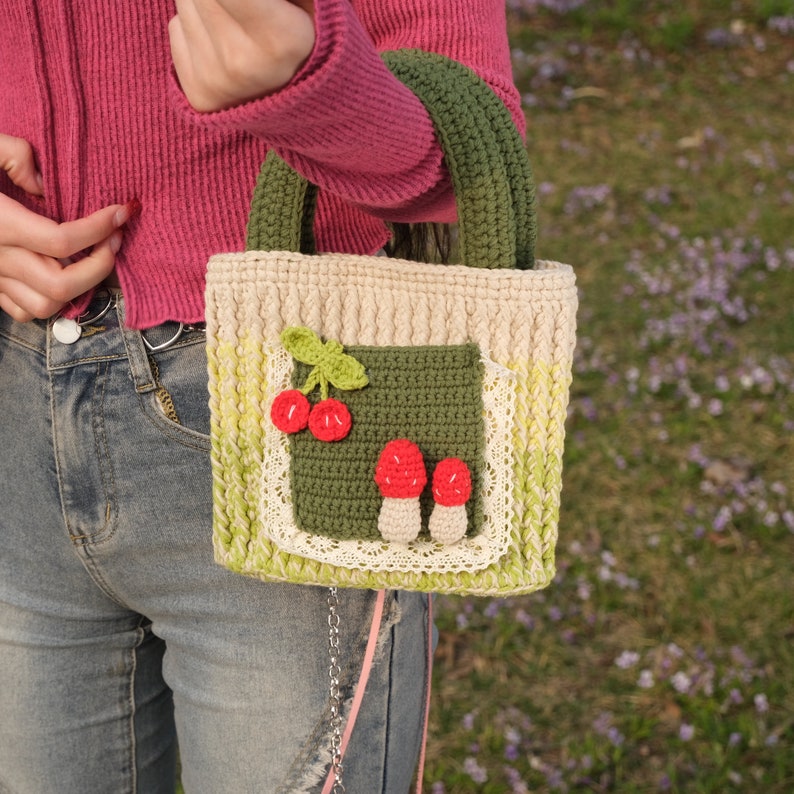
(388, 423)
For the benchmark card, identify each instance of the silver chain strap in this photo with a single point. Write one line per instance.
(335, 696)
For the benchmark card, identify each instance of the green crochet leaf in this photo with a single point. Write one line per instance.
(331, 364)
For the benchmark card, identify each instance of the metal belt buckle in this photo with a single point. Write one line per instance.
(181, 329)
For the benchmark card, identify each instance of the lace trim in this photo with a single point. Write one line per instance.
(421, 555)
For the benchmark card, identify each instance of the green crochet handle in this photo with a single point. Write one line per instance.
(484, 153)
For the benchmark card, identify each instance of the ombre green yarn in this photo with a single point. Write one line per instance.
(242, 543)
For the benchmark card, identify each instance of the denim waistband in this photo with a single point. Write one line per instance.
(102, 334)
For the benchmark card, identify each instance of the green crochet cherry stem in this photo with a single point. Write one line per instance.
(316, 377)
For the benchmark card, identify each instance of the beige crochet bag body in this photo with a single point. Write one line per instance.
(386, 423)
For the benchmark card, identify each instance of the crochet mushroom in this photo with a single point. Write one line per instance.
(400, 474)
(451, 491)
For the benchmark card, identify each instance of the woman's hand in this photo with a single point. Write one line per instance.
(36, 277)
(227, 52)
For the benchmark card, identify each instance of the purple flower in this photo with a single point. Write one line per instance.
(681, 682)
(525, 619)
(512, 736)
(586, 198)
(517, 785)
(602, 723)
(686, 732)
(626, 582)
(645, 680)
(659, 195)
(493, 608)
(722, 384)
(722, 518)
(555, 614)
(738, 656)
(476, 772)
(722, 38)
(782, 25)
(761, 703)
(627, 659)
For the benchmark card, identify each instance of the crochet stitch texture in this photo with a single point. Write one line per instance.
(431, 395)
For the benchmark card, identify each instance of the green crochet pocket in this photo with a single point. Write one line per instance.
(431, 395)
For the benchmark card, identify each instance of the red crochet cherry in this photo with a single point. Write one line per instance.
(290, 411)
(330, 420)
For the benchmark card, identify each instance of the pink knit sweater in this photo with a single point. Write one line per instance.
(90, 85)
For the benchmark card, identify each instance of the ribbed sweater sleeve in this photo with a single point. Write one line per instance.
(349, 126)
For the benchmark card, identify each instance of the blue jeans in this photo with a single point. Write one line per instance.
(119, 634)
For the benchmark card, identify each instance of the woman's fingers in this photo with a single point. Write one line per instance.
(17, 160)
(228, 51)
(24, 228)
(38, 274)
(195, 56)
(36, 286)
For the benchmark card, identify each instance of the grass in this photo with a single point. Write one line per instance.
(662, 658)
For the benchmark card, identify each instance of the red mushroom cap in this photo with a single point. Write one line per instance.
(451, 483)
(400, 473)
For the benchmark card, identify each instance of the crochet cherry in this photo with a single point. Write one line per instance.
(401, 477)
(330, 420)
(451, 491)
(290, 411)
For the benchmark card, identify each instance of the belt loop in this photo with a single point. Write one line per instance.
(137, 355)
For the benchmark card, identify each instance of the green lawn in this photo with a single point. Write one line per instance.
(662, 659)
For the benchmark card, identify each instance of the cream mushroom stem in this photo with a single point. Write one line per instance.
(399, 520)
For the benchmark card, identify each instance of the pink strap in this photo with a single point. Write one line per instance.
(428, 682)
(366, 668)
